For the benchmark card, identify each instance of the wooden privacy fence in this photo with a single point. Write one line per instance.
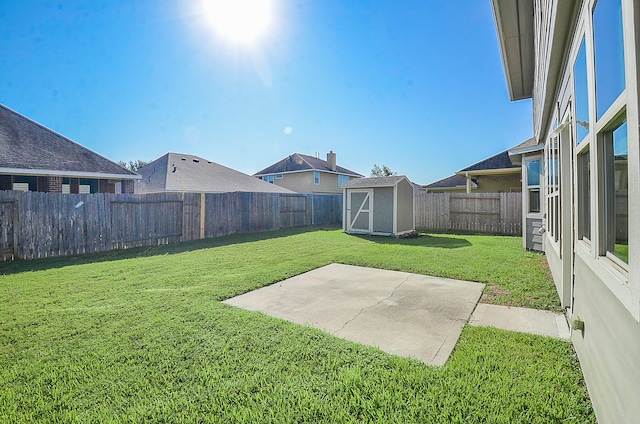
(39, 225)
(494, 213)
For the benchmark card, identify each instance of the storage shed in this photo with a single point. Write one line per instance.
(379, 206)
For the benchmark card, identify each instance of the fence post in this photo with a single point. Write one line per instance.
(202, 214)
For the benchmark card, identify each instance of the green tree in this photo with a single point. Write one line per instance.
(383, 171)
(133, 165)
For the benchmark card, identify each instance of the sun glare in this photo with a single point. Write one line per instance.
(241, 21)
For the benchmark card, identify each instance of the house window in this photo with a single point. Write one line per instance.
(316, 177)
(581, 94)
(25, 183)
(278, 176)
(88, 186)
(66, 185)
(342, 179)
(609, 53)
(552, 179)
(267, 178)
(533, 185)
(584, 195)
(615, 193)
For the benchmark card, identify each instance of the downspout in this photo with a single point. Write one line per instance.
(468, 182)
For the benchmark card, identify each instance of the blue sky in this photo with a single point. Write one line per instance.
(415, 85)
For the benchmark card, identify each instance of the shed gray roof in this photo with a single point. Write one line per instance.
(177, 172)
(298, 162)
(30, 148)
(499, 161)
(375, 182)
(453, 181)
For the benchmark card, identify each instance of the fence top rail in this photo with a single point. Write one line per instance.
(145, 201)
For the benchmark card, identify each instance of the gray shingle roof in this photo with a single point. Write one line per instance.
(499, 161)
(374, 182)
(527, 146)
(299, 162)
(177, 172)
(450, 182)
(27, 145)
(530, 142)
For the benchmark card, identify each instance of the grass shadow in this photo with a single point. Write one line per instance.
(16, 267)
(423, 240)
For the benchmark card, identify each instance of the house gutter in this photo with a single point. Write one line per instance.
(71, 174)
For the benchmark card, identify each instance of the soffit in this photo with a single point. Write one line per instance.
(515, 27)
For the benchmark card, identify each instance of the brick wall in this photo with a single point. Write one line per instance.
(5, 182)
(106, 187)
(43, 184)
(54, 184)
(127, 186)
(74, 184)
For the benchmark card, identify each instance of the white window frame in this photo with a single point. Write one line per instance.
(316, 177)
(624, 284)
(553, 207)
(528, 188)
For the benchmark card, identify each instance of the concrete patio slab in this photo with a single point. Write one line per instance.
(524, 320)
(400, 313)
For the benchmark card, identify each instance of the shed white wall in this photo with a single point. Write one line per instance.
(406, 207)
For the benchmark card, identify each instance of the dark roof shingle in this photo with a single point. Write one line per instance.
(25, 144)
(450, 182)
(499, 161)
(300, 162)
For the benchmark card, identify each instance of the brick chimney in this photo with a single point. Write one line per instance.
(331, 160)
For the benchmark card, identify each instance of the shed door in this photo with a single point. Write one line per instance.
(359, 211)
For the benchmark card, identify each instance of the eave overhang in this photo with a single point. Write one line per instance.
(563, 24)
(70, 174)
(515, 27)
(480, 172)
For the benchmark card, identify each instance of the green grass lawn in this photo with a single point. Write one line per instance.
(141, 336)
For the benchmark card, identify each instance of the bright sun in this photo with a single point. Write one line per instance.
(239, 20)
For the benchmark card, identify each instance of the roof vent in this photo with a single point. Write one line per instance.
(183, 159)
(196, 160)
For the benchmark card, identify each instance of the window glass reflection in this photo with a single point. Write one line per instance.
(609, 53)
(581, 93)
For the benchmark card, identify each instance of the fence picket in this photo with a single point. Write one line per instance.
(496, 213)
(38, 225)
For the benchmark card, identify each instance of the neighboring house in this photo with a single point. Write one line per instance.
(35, 158)
(177, 172)
(496, 174)
(308, 174)
(579, 61)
